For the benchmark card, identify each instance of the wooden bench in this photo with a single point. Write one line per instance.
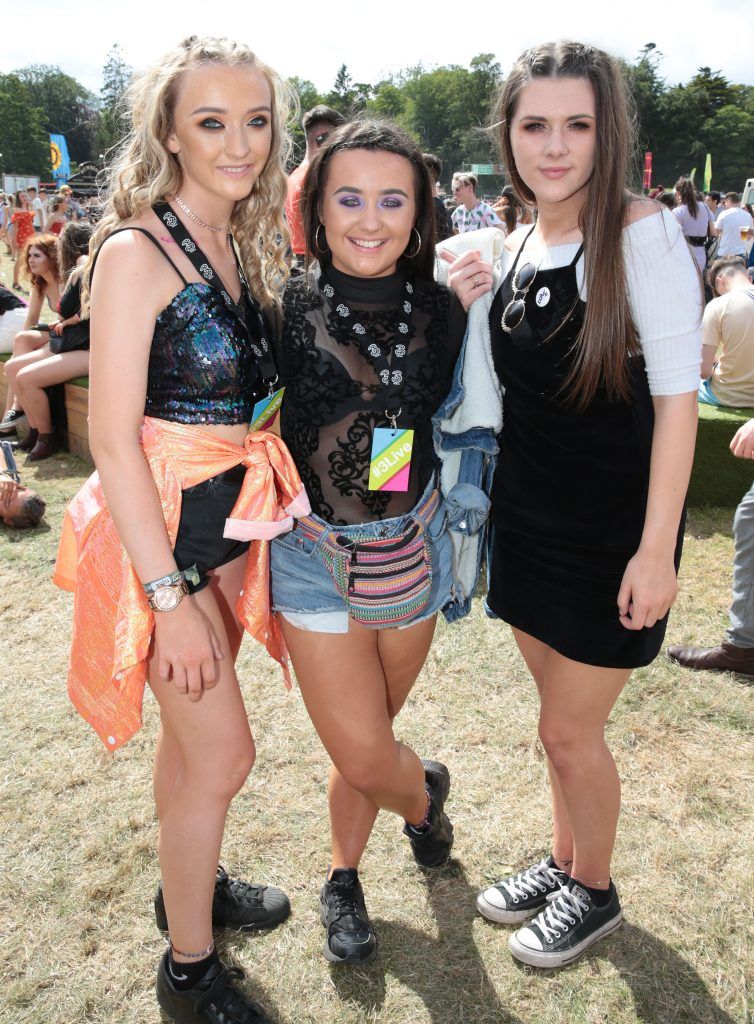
(77, 417)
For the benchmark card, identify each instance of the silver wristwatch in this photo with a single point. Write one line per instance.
(166, 593)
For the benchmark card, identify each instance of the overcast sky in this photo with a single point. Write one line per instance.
(313, 39)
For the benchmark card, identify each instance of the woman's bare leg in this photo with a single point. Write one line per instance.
(402, 653)
(24, 343)
(34, 376)
(207, 750)
(575, 704)
(345, 689)
(535, 654)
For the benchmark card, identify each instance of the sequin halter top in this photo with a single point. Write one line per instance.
(204, 362)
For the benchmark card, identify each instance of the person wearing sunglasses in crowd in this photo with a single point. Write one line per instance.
(596, 339)
(318, 123)
(367, 356)
(158, 552)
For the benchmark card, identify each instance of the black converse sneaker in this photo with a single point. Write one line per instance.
(522, 895)
(431, 844)
(237, 905)
(214, 1000)
(12, 419)
(350, 936)
(566, 928)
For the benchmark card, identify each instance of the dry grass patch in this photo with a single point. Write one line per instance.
(77, 940)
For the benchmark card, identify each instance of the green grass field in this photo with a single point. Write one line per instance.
(78, 863)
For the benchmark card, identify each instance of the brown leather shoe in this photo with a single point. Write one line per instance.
(724, 658)
(46, 446)
(28, 442)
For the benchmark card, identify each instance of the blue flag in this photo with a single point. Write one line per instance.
(61, 165)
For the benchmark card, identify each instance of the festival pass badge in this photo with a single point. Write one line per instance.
(266, 414)
(391, 459)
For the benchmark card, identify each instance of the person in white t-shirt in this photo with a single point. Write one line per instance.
(471, 213)
(36, 204)
(730, 224)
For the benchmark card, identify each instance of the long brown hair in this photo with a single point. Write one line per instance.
(381, 136)
(48, 244)
(608, 336)
(685, 189)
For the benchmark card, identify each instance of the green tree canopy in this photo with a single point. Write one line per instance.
(23, 142)
(66, 106)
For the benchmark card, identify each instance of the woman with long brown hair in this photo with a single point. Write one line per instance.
(600, 372)
(39, 265)
(695, 219)
(66, 354)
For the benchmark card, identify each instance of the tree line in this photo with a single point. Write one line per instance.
(447, 109)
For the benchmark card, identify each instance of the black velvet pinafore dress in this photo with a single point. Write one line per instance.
(570, 488)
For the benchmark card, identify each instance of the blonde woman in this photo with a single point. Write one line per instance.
(179, 355)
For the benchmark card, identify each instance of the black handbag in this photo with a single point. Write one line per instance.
(74, 337)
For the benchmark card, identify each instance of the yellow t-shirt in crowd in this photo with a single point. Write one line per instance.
(729, 327)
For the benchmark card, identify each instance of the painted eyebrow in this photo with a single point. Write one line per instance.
(222, 110)
(383, 191)
(571, 117)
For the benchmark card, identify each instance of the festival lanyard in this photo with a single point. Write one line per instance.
(261, 346)
(392, 446)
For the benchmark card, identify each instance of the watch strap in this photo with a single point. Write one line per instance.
(190, 575)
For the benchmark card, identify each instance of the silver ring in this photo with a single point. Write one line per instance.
(474, 282)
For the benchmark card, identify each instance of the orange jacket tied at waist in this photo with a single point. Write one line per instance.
(112, 622)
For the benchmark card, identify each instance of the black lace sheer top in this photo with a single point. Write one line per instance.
(333, 399)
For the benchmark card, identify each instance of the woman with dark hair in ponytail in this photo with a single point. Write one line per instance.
(596, 339)
(695, 219)
(369, 346)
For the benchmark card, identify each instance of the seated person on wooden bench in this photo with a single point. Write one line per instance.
(66, 356)
(728, 341)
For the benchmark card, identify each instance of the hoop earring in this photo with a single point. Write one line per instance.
(413, 255)
(316, 240)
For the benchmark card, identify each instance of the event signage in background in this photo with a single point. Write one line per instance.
(61, 165)
(487, 169)
(647, 182)
(19, 182)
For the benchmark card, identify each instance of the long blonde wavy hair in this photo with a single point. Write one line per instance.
(144, 171)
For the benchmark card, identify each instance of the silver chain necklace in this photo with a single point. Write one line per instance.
(197, 220)
(202, 224)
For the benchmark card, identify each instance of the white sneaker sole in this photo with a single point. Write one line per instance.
(538, 958)
(500, 916)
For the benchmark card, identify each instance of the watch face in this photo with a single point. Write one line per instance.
(165, 599)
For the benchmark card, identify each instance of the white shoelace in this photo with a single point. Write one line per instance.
(567, 908)
(538, 878)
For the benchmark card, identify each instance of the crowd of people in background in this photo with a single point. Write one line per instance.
(374, 333)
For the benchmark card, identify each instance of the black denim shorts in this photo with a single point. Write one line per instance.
(204, 509)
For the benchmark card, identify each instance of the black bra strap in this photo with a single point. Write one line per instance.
(152, 239)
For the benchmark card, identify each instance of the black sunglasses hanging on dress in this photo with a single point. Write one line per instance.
(392, 446)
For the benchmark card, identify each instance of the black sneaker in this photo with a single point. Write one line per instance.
(566, 929)
(12, 419)
(215, 1000)
(237, 905)
(431, 846)
(350, 937)
(522, 895)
